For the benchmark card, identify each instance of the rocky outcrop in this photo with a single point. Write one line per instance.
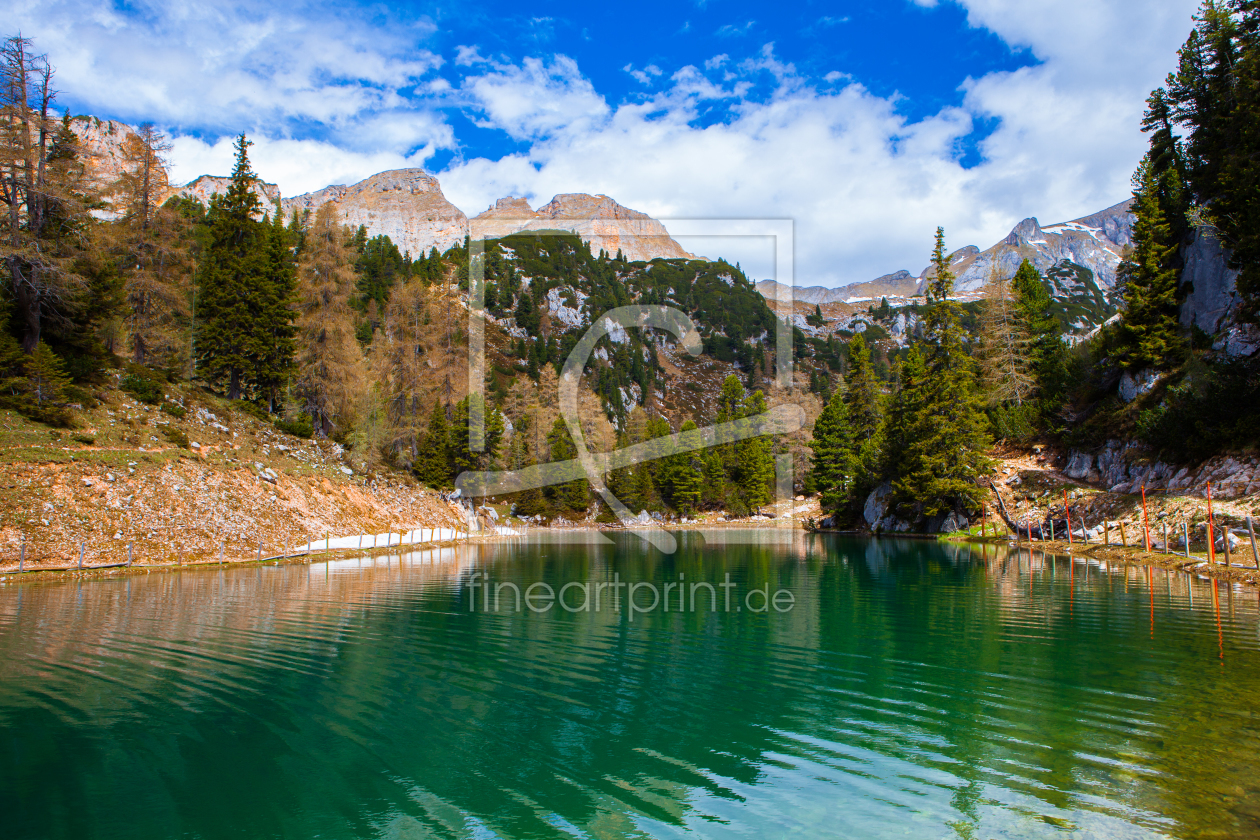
(407, 205)
(102, 149)
(203, 188)
(1121, 467)
(597, 219)
(898, 285)
(1096, 242)
(1209, 284)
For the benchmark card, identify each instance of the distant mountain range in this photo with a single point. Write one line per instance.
(1079, 258)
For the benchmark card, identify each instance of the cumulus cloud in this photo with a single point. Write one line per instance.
(235, 65)
(742, 135)
(865, 186)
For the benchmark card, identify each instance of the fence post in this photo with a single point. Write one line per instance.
(1146, 524)
(1251, 531)
(260, 551)
(1124, 538)
(221, 545)
(81, 546)
(1067, 513)
(1166, 538)
(1210, 530)
(1050, 519)
(130, 549)
(1106, 532)
(1185, 536)
(22, 555)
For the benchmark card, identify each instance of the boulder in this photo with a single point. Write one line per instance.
(1134, 385)
(1080, 465)
(877, 505)
(955, 521)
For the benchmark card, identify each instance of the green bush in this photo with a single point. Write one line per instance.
(174, 409)
(300, 426)
(176, 436)
(143, 387)
(86, 440)
(252, 409)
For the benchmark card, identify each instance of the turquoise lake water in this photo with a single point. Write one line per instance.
(836, 687)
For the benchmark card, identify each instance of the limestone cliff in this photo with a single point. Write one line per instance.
(1096, 242)
(407, 205)
(207, 185)
(597, 219)
(101, 149)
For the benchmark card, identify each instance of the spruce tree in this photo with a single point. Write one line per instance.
(231, 283)
(755, 461)
(572, 495)
(686, 469)
(274, 328)
(46, 375)
(832, 463)
(1149, 333)
(1047, 350)
(862, 409)
(945, 438)
(433, 463)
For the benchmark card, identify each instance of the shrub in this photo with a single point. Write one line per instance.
(174, 409)
(176, 436)
(141, 386)
(86, 440)
(300, 426)
(252, 409)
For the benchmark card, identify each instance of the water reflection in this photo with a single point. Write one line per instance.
(913, 689)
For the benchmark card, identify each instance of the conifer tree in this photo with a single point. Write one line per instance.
(755, 465)
(46, 374)
(462, 457)
(1149, 333)
(863, 412)
(832, 463)
(572, 495)
(686, 471)
(1047, 350)
(433, 463)
(330, 370)
(1005, 363)
(276, 301)
(944, 440)
(231, 284)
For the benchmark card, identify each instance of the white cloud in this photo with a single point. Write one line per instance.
(866, 187)
(297, 166)
(233, 65)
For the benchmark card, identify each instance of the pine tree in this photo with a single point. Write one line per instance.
(572, 495)
(432, 465)
(46, 375)
(231, 288)
(832, 464)
(862, 410)
(945, 438)
(1149, 333)
(755, 464)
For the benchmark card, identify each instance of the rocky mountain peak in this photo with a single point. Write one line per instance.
(407, 205)
(1026, 231)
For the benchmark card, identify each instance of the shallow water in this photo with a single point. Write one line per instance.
(910, 690)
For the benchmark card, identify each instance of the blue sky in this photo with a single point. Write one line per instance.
(866, 123)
